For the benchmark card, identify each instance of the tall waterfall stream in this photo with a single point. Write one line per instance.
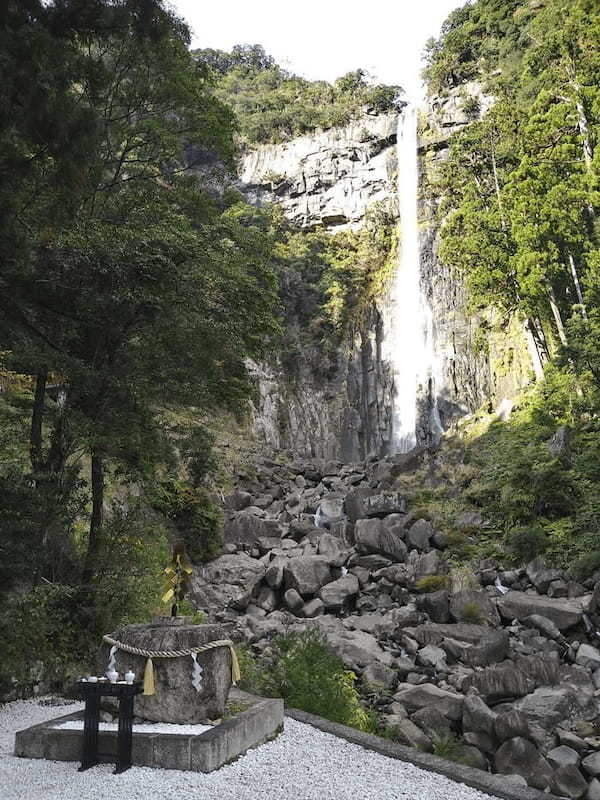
(408, 338)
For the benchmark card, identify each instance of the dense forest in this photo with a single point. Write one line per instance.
(132, 292)
(519, 199)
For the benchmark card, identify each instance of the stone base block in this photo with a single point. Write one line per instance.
(251, 722)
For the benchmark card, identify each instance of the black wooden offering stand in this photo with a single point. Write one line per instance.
(91, 692)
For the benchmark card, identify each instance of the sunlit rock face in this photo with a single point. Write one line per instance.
(331, 179)
(328, 178)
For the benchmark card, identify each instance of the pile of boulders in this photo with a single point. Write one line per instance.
(504, 661)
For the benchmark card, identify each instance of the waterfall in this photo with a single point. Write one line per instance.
(408, 337)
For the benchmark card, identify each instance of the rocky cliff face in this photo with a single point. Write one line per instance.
(327, 179)
(331, 179)
(481, 358)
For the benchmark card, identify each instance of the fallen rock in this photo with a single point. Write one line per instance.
(543, 625)
(477, 716)
(432, 722)
(307, 574)
(593, 792)
(588, 656)
(519, 605)
(510, 725)
(379, 676)
(313, 608)
(591, 764)
(416, 697)
(432, 656)
(371, 536)
(419, 535)
(520, 756)
(435, 604)
(358, 649)
(542, 576)
(548, 705)
(563, 756)
(567, 781)
(473, 606)
(340, 593)
(406, 732)
(228, 580)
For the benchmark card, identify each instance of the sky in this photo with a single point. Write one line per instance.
(323, 39)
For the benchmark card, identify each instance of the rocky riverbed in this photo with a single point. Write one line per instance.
(505, 659)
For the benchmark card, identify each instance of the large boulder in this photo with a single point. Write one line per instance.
(247, 528)
(358, 649)
(477, 716)
(520, 756)
(419, 535)
(519, 605)
(372, 536)
(427, 694)
(362, 503)
(510, 725)
(340, 593)
(176, 700)
(406, 732)
(420, 565)
(307, 574)
(567, 781)
(548, 705)
(470, 605)
(475, 645)
(542, 576)
(228, 580)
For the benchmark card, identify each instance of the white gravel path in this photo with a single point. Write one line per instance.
(301, 764)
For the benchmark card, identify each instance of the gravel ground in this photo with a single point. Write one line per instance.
(146, 727)
(301, 764)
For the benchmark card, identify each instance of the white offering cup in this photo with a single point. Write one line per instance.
(93, 679)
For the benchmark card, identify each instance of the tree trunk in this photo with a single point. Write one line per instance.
(497, 185)
(577, 285)
(59, 447)
(94, 541)
(562, 335)
(36, 452)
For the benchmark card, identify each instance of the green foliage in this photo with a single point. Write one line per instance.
(272, 105)
(309, 676)
(542, 502)
(448, 746)
(471, 612)
(195, 516)
(527, 542)
(432, 583)
(51, 631)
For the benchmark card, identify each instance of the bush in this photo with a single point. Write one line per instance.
(195, 516)
(526, 543)
(432, 583)
(471, 612)
(306, 673)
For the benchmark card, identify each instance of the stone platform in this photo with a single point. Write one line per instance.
(251, 721)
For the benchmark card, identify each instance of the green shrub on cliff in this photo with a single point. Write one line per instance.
(273, 105)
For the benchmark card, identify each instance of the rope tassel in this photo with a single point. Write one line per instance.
(149, 678)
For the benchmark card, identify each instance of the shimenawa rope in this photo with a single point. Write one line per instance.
(150, 654)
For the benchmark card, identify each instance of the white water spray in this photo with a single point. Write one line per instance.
(409, 325)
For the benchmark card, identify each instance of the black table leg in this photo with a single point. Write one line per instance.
(125, 734)
(89, 755)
